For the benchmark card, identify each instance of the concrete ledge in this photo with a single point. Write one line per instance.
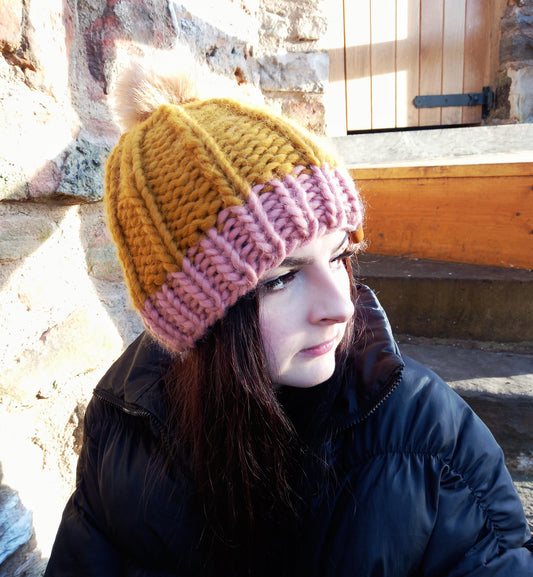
(452, 300)
(437, 146)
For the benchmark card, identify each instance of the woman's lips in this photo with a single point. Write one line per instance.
(319, 350)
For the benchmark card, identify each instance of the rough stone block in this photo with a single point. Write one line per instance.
(521, 94)
(15, 523)
(99, 249)
(46, 38)
(306, 109)
(45, 180)
(10, 24)
(525, 21)
(13, 181)
(452, 300)
(275, 25)
(22, 234)
(310, 27)
(60, 354)
(516, 49)
(225, 39)
(40, 127)
(48, 297)
(295, 72)
(82, 173)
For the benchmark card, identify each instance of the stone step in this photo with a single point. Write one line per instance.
(453, 300)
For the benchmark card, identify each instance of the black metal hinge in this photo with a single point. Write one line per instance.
(484, 99)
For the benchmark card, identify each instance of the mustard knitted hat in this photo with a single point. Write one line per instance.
(204, 196)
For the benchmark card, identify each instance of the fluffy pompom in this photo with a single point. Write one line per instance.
(165, 78)
(170, 77)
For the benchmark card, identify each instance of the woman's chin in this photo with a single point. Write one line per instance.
(308, 374)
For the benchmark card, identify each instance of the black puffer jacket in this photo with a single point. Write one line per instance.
(421, 488)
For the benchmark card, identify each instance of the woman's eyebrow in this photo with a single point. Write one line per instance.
(292, 261)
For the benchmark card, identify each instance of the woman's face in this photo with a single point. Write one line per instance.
(304, 308)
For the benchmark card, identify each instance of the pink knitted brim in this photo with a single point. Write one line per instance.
(247, 241)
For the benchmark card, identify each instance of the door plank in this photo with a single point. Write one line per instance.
(335, 98)
(431, 30)
(453, 56)
(383, 62)
(477, 43)
(358, 82)
(407, 61)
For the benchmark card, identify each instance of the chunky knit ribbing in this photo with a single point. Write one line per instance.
(203, 198)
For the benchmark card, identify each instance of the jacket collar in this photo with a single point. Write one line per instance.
(135, 382)
(375, 364)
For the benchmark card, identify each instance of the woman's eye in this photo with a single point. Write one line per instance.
(278, 282)
(343, 257)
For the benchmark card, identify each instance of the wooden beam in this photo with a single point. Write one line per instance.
(477, 214)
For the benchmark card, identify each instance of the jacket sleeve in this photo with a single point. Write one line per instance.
(480, 529)
(480, 521)
(81, 547)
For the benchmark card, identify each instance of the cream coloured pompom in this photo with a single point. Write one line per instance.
(166, 78)
(170, 77)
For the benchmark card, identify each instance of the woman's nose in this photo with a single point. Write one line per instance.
(330, 299)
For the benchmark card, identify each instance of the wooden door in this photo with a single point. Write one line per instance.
(395, 50)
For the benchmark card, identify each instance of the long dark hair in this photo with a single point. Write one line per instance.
(244, 452)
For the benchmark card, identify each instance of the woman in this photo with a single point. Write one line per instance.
(266, 423)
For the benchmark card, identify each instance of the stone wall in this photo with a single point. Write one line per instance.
(514, 91)
(64, 312)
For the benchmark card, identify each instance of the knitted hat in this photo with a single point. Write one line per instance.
(204, 196)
